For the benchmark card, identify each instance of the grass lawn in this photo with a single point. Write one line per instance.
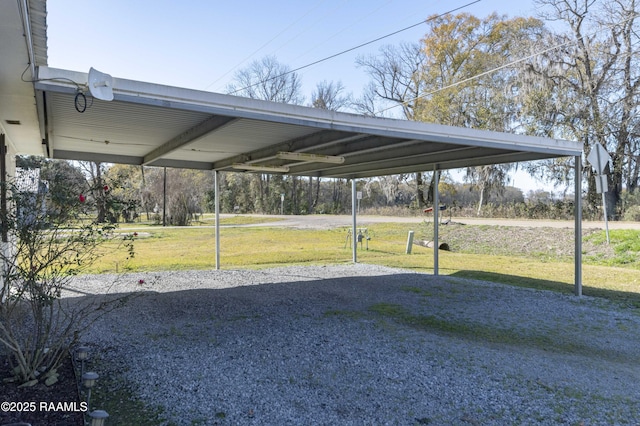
(259, 247)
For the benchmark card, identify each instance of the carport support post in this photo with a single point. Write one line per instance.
(578, 225)
(354, 235)
(216, 201)
(436, 219)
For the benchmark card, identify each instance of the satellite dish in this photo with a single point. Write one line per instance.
(100, 85)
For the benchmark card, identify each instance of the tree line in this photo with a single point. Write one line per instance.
(570, 74)
(126, 193)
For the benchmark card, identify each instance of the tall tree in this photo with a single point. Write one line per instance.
(396, 80)
(97, 187)
(465, 79)
(186, 192)
(268, 79)
(330, 95)
(590, 84)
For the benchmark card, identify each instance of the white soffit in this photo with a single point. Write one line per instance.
(169, 126)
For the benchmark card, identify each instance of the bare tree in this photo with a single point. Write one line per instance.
(396, 79)
(367, 104)
(268, 79)
(330, 95)
(396, 75)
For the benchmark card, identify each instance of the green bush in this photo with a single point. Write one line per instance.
(632, 214)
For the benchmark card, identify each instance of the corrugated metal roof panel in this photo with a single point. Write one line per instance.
(245, 135)
(128, 129)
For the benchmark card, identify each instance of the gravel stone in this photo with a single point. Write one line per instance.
(366, 345)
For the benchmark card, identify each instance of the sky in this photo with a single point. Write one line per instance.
(202, 44)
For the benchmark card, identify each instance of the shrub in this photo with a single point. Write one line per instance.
(42, 249)
(632, 214)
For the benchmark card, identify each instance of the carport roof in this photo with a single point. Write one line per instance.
(160, 125)
(169, 126)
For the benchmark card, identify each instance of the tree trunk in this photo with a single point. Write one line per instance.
(143, 187)
(99, 194)
(482, 197)
(317, 196)
(294, 195)
(420, 191)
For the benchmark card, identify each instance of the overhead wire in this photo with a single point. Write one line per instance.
(334, 35)
(356, 47)
(265, 44)
(330, 13)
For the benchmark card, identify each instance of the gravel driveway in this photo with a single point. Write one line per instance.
(368, 345)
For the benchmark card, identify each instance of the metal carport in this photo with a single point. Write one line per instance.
(157, 125)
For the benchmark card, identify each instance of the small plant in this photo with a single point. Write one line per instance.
(45, 243)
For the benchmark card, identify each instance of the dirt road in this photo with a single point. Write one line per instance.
(334, 221)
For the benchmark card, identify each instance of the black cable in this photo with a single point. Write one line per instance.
(80, 102)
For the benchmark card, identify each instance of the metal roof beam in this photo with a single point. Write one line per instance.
(361, 146)
(209, 125)
(181, 164)
(303, 144)
(409, 160)
(429, 166)
(96, 157)
(384, 153)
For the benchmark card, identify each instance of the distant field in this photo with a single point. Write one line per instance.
(531, 257)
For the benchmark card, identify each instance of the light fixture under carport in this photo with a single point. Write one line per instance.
(313, 158)
(257, 168)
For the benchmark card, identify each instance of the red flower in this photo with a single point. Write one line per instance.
(141, 281)
(106, 188)
(82, 198)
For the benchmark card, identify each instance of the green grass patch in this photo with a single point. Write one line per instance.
(431, 323)
(485, 333)
(206, 220)
(113, 395)
(262, 247)
(625, 244)
(342, 313)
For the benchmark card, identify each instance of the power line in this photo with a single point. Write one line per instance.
(265, 44)
(362, 18)
(356, 47)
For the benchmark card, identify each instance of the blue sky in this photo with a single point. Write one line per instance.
(200, 44)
